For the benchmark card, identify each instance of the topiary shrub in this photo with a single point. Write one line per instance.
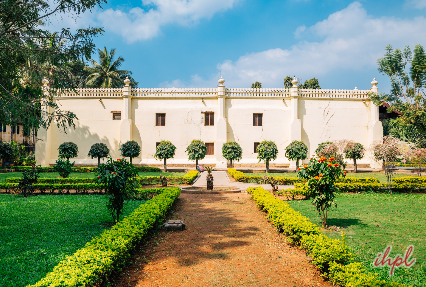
(232, 151)
(296, 150)
(321, 146)
(68, 150)
(63, 167)
(165, 150)
(354, 151)
(130, 149)
(98, 150)
(267, 150)
(196, 150)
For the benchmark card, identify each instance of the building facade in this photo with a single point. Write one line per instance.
(214, 115)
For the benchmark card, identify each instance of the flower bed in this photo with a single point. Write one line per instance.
(332, 256)
(106, 253)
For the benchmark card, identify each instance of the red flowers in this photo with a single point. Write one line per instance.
(320, 175)
(344, 172)
(118, 159)
(88, 170)
(99, 177)
(317, 178)
(331, 159)
(298, 168)
(305, 166)
(322, 159)
(330, 164)
(336, 165)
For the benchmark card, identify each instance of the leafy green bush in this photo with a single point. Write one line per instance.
(165, 150)
(29, 177)
(130, 149)
(232, 151)
(108, 252)
(321, 147)
(296, 150)
(190, 176)
(267, 150)
(68, 150)
(99, 150)
(118, 179)
(82, 169)
(63, 167)
(196, 150)
(320, 175)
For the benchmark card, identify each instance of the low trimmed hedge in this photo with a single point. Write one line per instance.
(90, 265)
(332, 256)
(82, 169)
(81, 188)
(55, 180)
(285, 180)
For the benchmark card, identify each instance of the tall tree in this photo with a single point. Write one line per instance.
(407, 74)
(287, 82)
(29, 50)
(106, 73)
(310, 84)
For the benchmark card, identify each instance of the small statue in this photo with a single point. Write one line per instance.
(209, 178)
(273, 182)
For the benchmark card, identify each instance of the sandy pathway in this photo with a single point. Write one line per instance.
(228, 242)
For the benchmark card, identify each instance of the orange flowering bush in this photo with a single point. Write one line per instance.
(320, 175)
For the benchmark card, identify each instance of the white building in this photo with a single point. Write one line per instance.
(214, 115)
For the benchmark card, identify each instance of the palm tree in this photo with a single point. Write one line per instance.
(106, 74)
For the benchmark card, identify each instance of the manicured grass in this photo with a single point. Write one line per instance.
(3, 176)
(37, 232)
(380, 176)
(373, 221)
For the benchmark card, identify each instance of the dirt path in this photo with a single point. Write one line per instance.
(228, 242)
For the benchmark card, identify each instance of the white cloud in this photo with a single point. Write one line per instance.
(139, 24)
(351, 40)
(418, 4)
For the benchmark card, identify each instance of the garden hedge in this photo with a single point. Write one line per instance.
(92, 264)
(283, 180)
(85, 169)
(332, 256)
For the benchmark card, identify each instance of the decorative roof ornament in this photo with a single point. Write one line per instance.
(294, 82)
(127, 81)
(374, 82)
(221, 81)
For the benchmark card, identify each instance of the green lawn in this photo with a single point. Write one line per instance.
(380, 176)
(373, 221)
(37, 232)
(3, 176)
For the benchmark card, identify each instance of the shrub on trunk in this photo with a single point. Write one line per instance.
(130, 149)
(165, 150)
(266, 151)
(68, 150)
(98, 150)
(196, 150)
(232, 151)
(296, 150)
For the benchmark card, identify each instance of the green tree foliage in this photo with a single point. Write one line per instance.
(63, 167)
(106, 73)
(68, 150)
(29, 177)
(354, 151)
(266, 151)
(130, 149)
(196, 150)
(320, 175)
(287, 82)
(256, 85)
(118, 179)
(6, 152)
(232, 151)
(403, 131)
(165, 150)
(296, 150)
(407, 75)
(99, 150)
(310, 84)
(31, 51)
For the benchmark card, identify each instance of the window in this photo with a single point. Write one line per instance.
(156, 144)
(116, 115)
(160, 119)
(257, 119)
(13, 129)
(255, 147)
(210, 148)
(209, 119)
(17, 130)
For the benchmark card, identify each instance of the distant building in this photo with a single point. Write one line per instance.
(214, 115)
(17, 134)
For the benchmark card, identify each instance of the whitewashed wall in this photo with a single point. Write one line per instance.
(312, 116)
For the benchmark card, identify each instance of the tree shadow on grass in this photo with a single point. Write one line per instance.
(344, 222)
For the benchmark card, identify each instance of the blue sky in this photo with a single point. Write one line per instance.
(178, 43)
